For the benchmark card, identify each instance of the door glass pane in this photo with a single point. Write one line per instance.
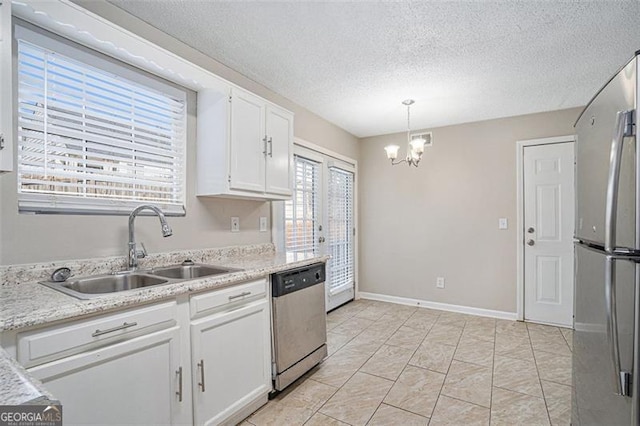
(301, 212)
(340, 230)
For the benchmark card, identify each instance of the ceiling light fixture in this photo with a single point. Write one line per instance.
(415, 147)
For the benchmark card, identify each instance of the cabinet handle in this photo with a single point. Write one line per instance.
(270, 147)
(265, 145)
(201, 367)
(124, 326)
(179, 391)
(243, 294)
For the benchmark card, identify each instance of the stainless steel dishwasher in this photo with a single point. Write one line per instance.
(299, 322)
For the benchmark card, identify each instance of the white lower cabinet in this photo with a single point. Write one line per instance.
(204, 359)
(134, 382)
(231, 363)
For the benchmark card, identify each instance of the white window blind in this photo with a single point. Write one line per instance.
(301, 212)
(340, 227)
(92, 141)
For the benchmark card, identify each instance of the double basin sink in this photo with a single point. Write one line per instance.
(98, 285)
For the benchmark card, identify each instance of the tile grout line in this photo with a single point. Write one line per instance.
(355, 372)
(538, 372)
(493, 370)
(395, 381)
(447, 374)
(403, 369)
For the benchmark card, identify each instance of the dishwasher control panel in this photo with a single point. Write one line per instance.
(291, 280)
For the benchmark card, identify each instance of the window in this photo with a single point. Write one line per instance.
(301, 212)
(95, 136)
(340, 227)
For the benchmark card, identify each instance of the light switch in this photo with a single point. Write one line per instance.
(502, 223)
(263, 224)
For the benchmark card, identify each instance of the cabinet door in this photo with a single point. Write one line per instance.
(231, 361)
(248, 143)
(6, 89)
(133, 382)
(279, 151)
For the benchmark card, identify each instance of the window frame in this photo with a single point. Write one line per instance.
(61, 204)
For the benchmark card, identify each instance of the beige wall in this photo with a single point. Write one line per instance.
(39, 238)
(441, 219)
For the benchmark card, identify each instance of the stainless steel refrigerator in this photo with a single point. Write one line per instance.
(607, 254)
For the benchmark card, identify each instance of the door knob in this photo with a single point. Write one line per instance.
(530, 242)
(531, 230)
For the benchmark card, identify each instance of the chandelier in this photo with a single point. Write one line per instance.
(415, 146)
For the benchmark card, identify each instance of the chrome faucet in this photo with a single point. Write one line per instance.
(134, 253)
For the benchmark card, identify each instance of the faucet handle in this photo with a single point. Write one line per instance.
(141, 253)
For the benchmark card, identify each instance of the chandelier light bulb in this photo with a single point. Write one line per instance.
(392, 151)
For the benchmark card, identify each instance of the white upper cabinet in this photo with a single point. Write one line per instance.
(248, 142)
(245, 146)
(279, 150)
(6, 89)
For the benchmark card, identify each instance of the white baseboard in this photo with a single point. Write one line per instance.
(440, 306)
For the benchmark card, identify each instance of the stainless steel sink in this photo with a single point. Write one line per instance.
(98, 285)
(186, 272)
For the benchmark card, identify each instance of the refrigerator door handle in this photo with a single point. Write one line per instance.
(622, 379)
(623, 128)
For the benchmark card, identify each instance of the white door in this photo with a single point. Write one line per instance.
(319, 219)
(248, 142)
(135, 382)
(231, 361)
(303, 212)
(279, 145)
(549, 206)
(340, 238)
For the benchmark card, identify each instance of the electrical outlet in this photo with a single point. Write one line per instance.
(502, 223)
(440, 282)
(235, 224)
(263, 224)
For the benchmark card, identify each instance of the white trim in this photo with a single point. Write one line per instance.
(322, 150)
(520, 145)
(78, 24)
(440, 306)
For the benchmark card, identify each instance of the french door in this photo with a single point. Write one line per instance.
(319, 219)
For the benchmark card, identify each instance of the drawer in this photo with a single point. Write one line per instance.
(219, 298)
(44, 345)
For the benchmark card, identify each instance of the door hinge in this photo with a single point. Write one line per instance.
(629, 123)
(1, 137)
(354, 231)
(229, 178)
(229, 98)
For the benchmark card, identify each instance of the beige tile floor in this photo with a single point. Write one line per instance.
(391, 364)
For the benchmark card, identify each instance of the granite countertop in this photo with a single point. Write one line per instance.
(18, 387)
(24, 302)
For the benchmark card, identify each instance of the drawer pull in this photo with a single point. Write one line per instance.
(243, 294)
(201, 367)
(179, 391)
(124, 326)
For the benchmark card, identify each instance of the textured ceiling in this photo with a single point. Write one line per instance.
(354, 62)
